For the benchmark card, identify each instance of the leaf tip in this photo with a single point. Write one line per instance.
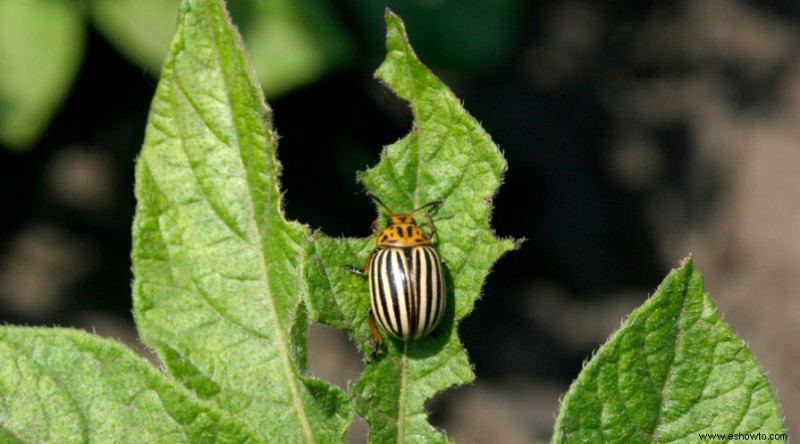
(396, 35)
(390, 16)
(687, 262)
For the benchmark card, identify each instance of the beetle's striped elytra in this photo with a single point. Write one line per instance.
(406, 288)
(406, 279)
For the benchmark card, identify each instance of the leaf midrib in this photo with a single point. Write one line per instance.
(289, 376)
(401, 400)
(684, 294)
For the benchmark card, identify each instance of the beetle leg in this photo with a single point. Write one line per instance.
(375, 336)
(428, 218)
(354, 269)
(361, 270)
(430, 224)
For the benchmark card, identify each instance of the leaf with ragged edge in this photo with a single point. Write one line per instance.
(447, 155)
(674, 370)
(218, 271)
(64, 386)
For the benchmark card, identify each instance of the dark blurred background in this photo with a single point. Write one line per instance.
(635, 133)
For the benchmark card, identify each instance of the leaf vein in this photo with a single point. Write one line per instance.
(282, 342)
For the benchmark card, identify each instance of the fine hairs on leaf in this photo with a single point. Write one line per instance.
(219, 289)
(446, 156)
(225, 289)
(220, 285)
(673, 371)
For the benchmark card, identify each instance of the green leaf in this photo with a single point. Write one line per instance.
(65, 386)
(291, 42)
(447, 155)
(41, 46)
(674, 370)
(218, 271)
(140, 29)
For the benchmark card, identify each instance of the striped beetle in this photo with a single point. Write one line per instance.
(406, 281)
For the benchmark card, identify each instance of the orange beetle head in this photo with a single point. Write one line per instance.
(401, 229)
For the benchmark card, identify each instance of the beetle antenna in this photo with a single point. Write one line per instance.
(435, 203)
(380, 202)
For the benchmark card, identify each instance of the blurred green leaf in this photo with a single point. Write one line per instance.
(447, 155)
(41, 47)
(290, 42)
(218, 271)
(64, 386)
(139, 29)
(674, 370)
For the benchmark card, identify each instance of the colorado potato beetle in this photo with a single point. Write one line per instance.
(406, 281)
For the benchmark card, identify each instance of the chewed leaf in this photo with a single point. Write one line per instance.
(218, 271)
(674, 371)
(446, 156)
